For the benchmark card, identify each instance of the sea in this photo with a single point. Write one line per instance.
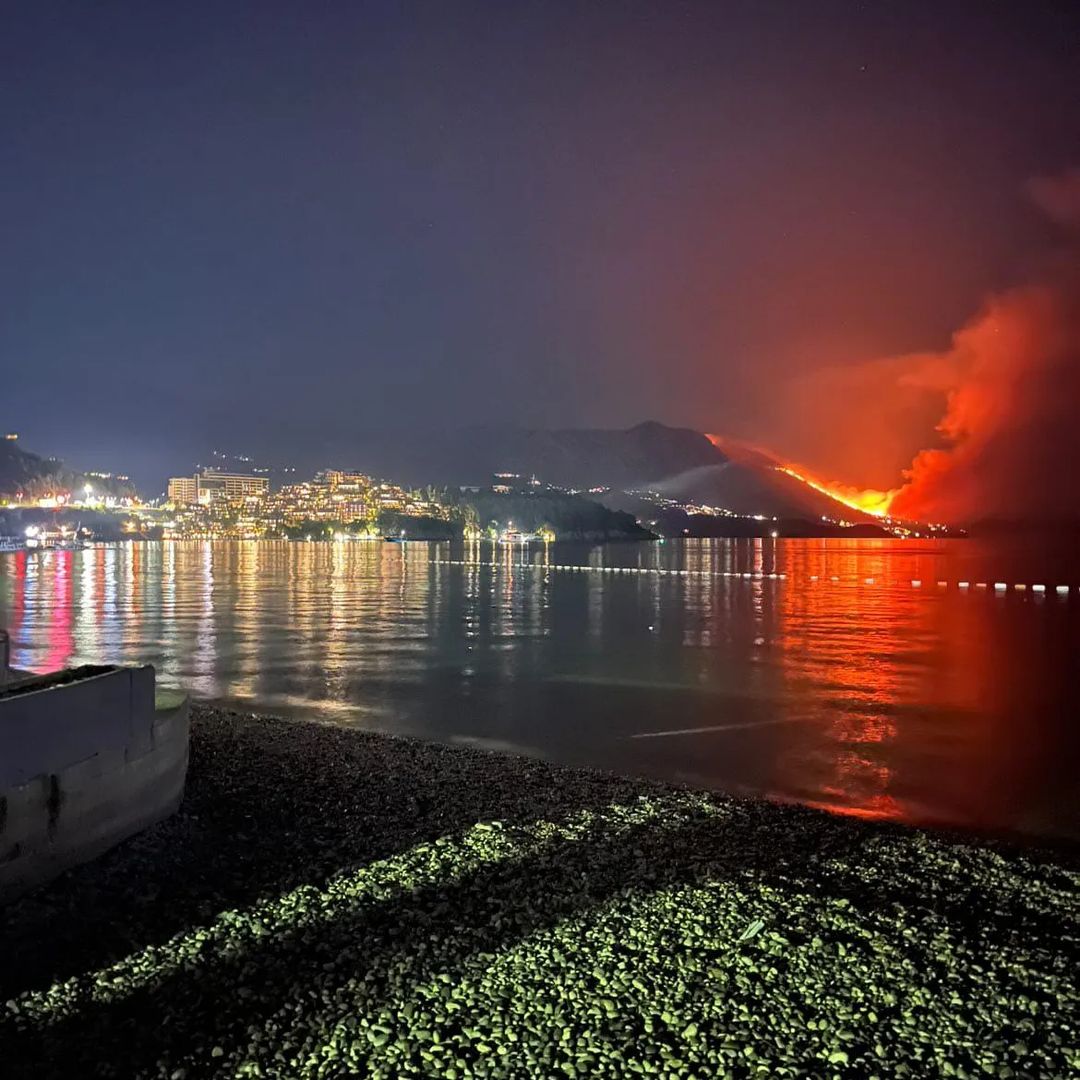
(929, 682)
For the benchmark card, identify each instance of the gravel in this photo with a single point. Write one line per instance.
(332, 903)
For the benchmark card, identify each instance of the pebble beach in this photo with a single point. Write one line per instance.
(336, 903)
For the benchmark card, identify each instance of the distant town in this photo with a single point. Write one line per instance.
(43, 505)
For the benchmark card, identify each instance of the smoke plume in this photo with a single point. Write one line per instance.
(1011, 430)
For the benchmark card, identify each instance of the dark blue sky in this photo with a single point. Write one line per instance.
(305, 230)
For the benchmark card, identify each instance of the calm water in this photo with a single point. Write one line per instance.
(864, 694)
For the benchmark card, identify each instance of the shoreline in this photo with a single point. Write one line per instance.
(329, 902)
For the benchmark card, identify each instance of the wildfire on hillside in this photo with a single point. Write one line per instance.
(1008, 382)
(867, 500)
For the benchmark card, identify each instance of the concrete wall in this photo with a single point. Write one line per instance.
(82, 767)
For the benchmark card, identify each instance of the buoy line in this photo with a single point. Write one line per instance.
(997, 587)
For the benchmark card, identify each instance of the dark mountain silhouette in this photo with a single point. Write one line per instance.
(18, 469)
(31, 475)
(680, 463)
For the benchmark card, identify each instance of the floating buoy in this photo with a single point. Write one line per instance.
(915, 583)
(1038, 588)
(1063, 590)
(962, 584)
(1000, 586)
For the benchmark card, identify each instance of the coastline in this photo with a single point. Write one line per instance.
(330, 902)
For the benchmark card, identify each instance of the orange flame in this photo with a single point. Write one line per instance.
(867, 500)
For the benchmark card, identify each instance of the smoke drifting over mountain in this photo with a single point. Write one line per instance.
(1012, 422)
(1009, 439)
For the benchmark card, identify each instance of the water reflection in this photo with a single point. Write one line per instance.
(835, 681)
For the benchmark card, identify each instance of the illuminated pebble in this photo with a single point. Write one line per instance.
(980, 584)
(1019, 587)
(1000, 586)
(834, 578)
(869, 581)
(942, 584)
(1038, 588)
(782, 577)
(1063, 590)
(962, 584)
(916, 583)
(813, 577)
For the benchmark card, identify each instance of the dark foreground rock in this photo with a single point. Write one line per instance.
(333, 903)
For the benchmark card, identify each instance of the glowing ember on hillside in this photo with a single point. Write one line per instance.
(868, 500)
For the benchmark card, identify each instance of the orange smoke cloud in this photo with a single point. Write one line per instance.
(1010, 434)
(1011, 424)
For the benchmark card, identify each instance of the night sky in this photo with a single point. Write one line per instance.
(305, 231)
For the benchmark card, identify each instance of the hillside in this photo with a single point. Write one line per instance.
(677, 462)
(19, 469)
(31, 476)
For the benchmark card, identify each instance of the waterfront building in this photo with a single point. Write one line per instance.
(219, 505)
(183, 490)
(213, 484)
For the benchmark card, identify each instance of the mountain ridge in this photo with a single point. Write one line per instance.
(677, 462)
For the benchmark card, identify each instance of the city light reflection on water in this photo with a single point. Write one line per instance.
(864, 694)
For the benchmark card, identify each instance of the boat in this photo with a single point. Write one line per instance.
(12, 543)
(42, 538)
(514, 536)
